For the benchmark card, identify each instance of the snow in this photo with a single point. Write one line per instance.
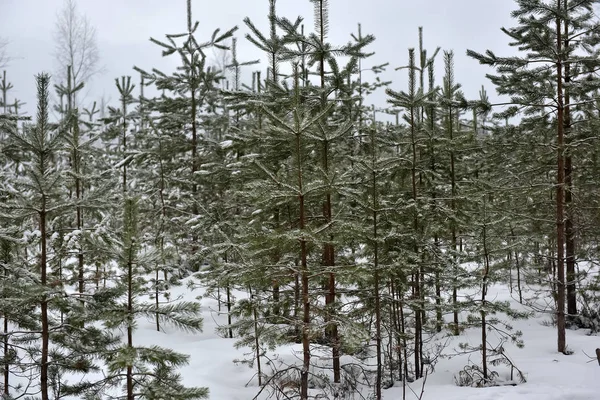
(550, 375)
(225, 144)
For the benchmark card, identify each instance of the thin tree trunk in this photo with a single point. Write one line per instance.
(130, 394)
(439, 317)
(453, 227)
(229, 320)
(484, 288)
(44, 364)
(396, 327)
(518, 265)
(194, 145)
(376, 269)
(7, 360)
(76, 165)
(156, 296)
(392, 338)
(328, 250)
(193, 86)
(7, 259)
(560, 194)
(163, 205)
(305, 307)
(304, 272)
(275, 280)
(5, 88)
(417, 272)
(510, 276)
(256, 338)
(124, 142)
(569, 228)
(404, 346)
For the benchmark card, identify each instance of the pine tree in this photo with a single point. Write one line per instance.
(412, 101)
(148, 372)
(34, 198)
(550, 49)
(188, 99)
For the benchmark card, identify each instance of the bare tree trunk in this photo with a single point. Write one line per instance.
(75, 45)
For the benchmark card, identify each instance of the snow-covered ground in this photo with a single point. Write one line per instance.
(550, 375)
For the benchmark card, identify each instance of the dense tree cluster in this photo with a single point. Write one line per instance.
(312, 217)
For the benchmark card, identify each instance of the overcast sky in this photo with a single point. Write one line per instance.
(125, 26)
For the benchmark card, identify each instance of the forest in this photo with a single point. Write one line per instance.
(432, 246)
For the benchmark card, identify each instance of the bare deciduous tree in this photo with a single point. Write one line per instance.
(3, 52)
(76, 45)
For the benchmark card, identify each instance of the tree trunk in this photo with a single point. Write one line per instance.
(417, 272)
(305, 309)
(76, 166)
(518, 264)
(7, 362)
(569, 227)
(376, 269)
(256, 338)
(560, 195)
(156, 296)
(328, 250)
(484, 287)
(404, 345)
(124, 142)
(450, 128)
(304, 272)
(44, 364)
(229, 320)
(396, 327)
(7, 259)
(130, 317)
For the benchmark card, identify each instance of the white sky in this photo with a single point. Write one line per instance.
(124, 27)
